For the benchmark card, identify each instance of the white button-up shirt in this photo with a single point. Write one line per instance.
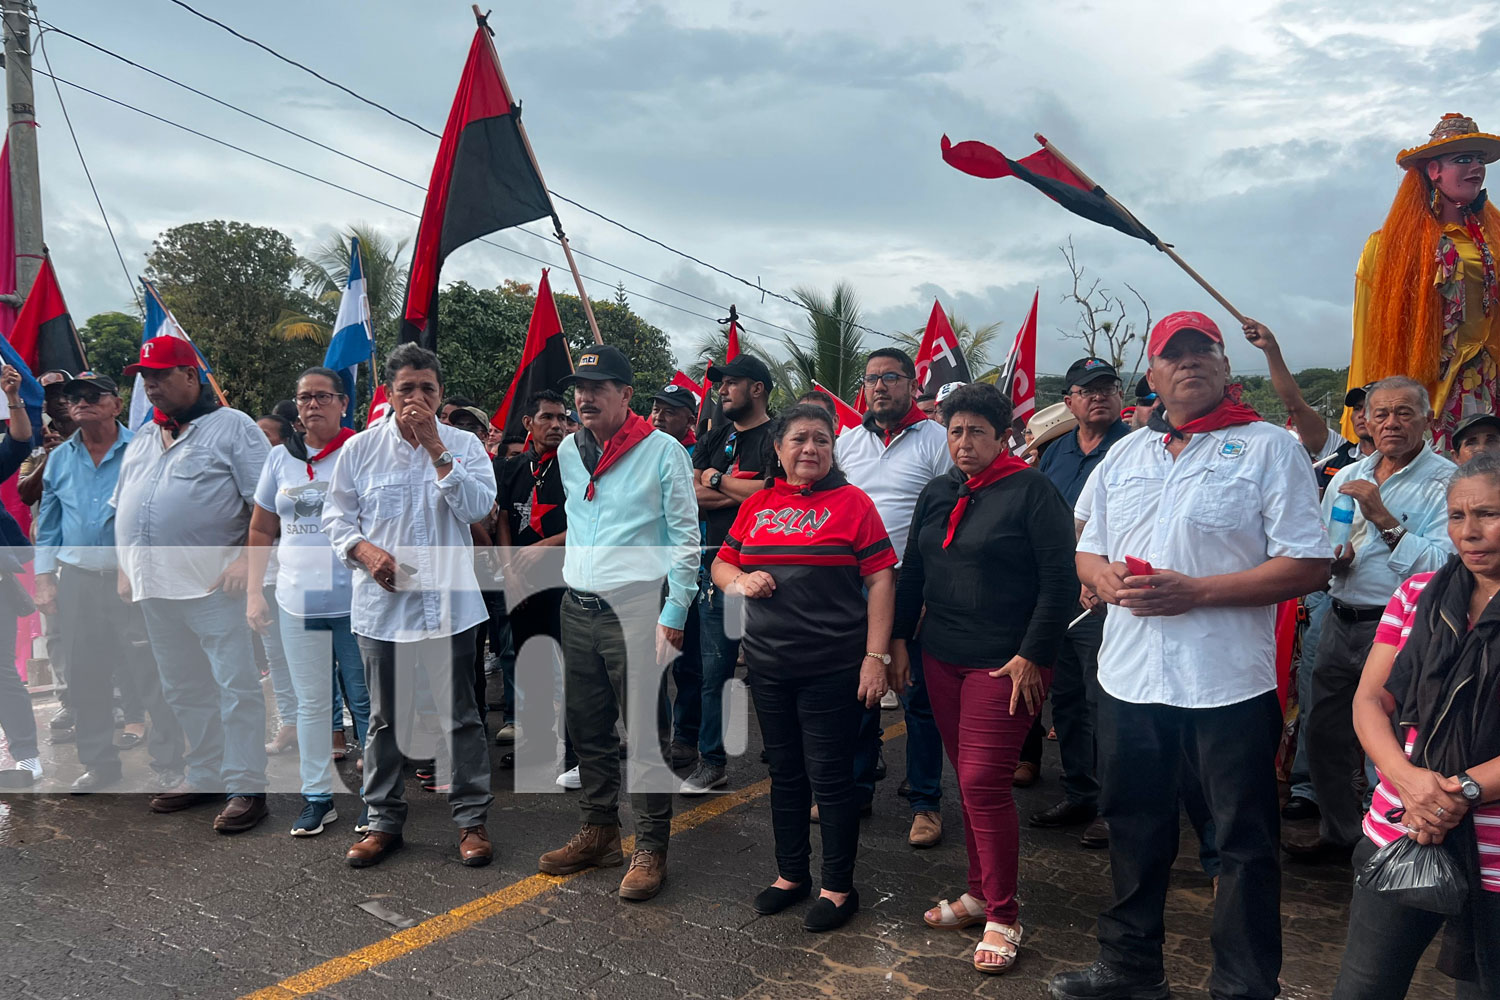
(387, 492)
(894, 476)
(182, 513)
(1232, 499)
(1417, 496)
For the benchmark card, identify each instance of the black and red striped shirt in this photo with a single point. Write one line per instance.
(818, 542)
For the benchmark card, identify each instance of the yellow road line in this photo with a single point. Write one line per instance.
(434, 929)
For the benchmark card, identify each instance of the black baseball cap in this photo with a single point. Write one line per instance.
(602, 364)
(1472, 421)
(1143, 391)
(102, 382)
(745, 366)
(1355, 398)
(673, 394)
(1086, 370)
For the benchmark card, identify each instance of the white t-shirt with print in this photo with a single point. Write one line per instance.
(311, 582)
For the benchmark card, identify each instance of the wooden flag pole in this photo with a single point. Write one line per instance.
(588, 309)
(1163, 247)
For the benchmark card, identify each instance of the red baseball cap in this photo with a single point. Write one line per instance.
(1171, 326)
(164, 352)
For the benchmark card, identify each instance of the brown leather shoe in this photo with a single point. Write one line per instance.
(592, 845)
(474, 846)
(372, 848)
(644, 878)
(184, 796)
(1026, 774)
(926, 829)
(242, 813)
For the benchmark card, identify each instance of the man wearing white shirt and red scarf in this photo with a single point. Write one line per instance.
(397, 511)
(1224, 510)
(632, 521)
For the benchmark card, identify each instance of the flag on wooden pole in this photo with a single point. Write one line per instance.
(544, 363)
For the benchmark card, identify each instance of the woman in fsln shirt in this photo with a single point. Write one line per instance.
(811, 555)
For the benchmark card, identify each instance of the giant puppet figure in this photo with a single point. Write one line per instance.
(1426, 299)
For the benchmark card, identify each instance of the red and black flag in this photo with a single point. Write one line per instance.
(1046, 172)
(940, 360)
(44, 335)
(484, 180)
(544, 361)
(710, 406)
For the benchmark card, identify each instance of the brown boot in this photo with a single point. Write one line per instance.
(647, 872)
(591, 846)
(474, 846)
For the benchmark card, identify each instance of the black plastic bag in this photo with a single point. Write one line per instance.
(1423, 876)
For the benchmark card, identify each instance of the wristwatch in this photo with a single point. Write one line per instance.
(714, 480)
(446, 458)
(884, 658)
(1473, 794)
(1392, 536)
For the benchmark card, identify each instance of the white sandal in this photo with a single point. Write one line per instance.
(951, 920)
(1007, 949)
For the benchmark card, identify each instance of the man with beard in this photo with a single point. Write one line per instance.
(1094, 397)
(892, 456)
(734, 461)
(188, 479)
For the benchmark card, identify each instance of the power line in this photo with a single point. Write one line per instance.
(755, 285)
(42, 46)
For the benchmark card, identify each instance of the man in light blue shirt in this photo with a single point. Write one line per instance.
(1400, 529)
(632, 520)
(102, 639)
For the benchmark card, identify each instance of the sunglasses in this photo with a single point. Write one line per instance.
(87, 396)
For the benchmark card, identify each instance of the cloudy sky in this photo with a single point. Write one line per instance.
(797, 141)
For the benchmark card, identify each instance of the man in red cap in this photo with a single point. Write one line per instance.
(182, 514)
(1198, 526)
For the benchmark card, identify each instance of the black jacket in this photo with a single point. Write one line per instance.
(1005, 586)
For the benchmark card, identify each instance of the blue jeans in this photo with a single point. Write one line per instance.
(924, 744)
(281, 679)
(311, 645)
(1317, 610)
(208, 676)
(719, 655)
(687, 675)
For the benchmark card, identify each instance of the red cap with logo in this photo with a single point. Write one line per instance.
(1171, 326)
(164, 352)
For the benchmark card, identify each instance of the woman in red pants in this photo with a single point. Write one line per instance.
(990, 555)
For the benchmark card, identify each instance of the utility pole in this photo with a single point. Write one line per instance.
(25, 180)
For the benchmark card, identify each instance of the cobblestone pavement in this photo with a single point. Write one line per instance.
(101, 899)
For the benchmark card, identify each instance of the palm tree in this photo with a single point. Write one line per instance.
(324, 274)
(836, 356)
(975, 345)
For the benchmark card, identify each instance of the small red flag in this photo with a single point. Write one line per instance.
(686, 382)
(939, 359)
(379, 407)
(544, 363)
(848, 415)
(1021, 367)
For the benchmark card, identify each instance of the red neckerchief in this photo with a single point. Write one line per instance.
(1005, 464)
(635, 430)
(913, 416)
(1229, 413)
(690, 438)
(337, 442)
(174, 425)
(540, 465)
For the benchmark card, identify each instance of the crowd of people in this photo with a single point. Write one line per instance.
(620, 591)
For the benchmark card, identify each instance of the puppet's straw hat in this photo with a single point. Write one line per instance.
(1454, 134)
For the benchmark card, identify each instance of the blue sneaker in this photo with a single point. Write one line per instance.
(362, 825)
(315, 814)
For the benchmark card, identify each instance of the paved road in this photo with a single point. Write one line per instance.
(100, 898)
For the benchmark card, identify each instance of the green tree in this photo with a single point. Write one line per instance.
(836, 356)
(228, 283)
(480, 336)
(647, 347)
(325, 272)
(111, 340)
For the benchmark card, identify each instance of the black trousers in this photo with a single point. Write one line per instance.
(104, 641)
(809, 725)
(1387, 940)
(1146, 752)
(1335, 760)
(1075, 706)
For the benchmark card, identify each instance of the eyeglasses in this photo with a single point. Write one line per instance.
(87, 396)
(889, 378)
(1095, 391)
(321, 398)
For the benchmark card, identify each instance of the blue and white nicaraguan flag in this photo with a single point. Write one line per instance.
(159, 323)
(353, 340)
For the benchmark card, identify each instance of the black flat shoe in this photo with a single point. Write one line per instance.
(1298, 807)
(772, 900)
(825, 916)
(1064, 813)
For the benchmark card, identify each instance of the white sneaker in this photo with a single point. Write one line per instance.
(570, 780)
(889, 701)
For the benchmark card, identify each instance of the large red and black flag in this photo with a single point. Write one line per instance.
(484, 180)
(1046, 172)
(44, 335)
(544, 361)
(940, 359)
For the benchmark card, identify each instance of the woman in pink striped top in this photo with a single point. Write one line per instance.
(1428, 713)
